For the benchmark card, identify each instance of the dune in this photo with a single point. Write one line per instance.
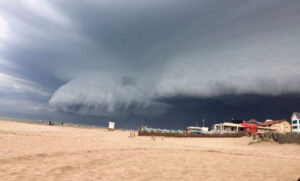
(42, 152)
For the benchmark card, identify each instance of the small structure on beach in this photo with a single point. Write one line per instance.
(280, 126)
(196, 129)
(250, 126)
(111, 126)
(228, 127)
(296, 122)
(237, 126)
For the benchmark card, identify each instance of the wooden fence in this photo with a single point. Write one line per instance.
(198, 135)
(286, 137)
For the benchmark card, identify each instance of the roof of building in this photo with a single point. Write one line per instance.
(269, 123)
(196, 127)
(297, 114)
(232, 124)
(253, 121)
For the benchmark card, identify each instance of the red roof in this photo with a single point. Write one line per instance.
(269, 123)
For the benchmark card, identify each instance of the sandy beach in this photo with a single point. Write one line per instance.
(41, 152)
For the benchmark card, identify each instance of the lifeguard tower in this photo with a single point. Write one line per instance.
(111, 126)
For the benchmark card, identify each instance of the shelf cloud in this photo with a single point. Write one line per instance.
(125, 58)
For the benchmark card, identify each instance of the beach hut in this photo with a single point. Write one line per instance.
(228, 127)
(281, 126)
(250, 127)
(196, 129)
(111, 126)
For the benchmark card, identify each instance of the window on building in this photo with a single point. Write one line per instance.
(294, 121)
(295, 127)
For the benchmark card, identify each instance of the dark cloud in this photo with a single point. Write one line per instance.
(123, 59)
(186, 111)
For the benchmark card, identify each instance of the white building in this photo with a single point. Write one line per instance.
(227, 127)
(196, 129)
(295, 122)
(111, 125)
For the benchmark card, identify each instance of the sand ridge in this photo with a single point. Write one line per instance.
(41, 152)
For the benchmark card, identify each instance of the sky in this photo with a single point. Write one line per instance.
(169, 62)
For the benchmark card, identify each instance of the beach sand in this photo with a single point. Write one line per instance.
(41, 152)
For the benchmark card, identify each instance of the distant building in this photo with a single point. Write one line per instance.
(227, 127)
(281, 126)
(111, 125)
(295, 122)
(265, 129)
(196, 129)
(250, 126)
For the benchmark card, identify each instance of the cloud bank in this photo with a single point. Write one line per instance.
(105, 95)
(120, 58)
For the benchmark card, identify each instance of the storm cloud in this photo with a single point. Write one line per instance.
(125, 58)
